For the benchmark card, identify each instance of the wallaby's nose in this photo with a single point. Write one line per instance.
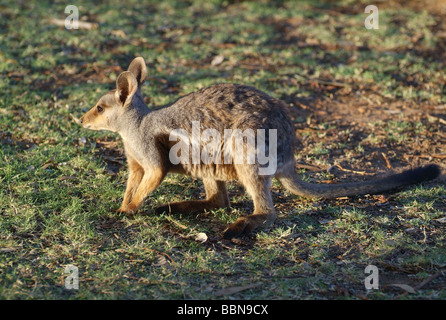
(82, 120)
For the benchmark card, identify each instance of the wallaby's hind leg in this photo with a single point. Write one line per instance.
(264, 213)
(216, 197)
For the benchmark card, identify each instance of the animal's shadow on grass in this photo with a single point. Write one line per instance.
(322, 213)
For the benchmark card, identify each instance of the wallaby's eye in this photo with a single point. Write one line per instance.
(100, 109)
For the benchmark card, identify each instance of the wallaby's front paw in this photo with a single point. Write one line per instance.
(131, 208)
(122, 209)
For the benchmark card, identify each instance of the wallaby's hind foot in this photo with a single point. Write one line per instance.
(249, 224)
(258, 187)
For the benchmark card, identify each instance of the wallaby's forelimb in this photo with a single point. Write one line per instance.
(136, 173)
(151, 179)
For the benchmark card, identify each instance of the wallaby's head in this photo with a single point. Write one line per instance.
(109, 111)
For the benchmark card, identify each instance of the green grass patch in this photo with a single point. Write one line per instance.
(60, 185)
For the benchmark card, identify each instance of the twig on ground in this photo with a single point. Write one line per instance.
(81, 24)
(388, 165)
(353, 171)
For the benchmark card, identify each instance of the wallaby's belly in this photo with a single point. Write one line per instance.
(222, 172)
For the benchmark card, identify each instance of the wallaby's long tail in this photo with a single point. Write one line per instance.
(314, 190)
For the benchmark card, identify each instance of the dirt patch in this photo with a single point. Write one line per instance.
(66, 75)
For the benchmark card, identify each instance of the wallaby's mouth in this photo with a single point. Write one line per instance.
(83, 124)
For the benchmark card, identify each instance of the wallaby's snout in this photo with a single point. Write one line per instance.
(88, 119)
(98, 117)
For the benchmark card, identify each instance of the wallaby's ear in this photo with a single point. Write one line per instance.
(126, 86)
(139, 69)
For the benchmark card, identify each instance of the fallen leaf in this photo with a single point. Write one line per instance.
(201, 237)
(48, 163)
(324, 221)
(405, 287)
(232, 290)
(8, 249)
(62, 178)
(441, 220)
(119, 33)
(118, 160)
(161, 261)
(81, 24)
(217, 60)
(410, 230)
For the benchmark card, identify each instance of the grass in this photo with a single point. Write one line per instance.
(60, 184)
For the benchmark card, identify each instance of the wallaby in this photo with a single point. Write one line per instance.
(147, 140)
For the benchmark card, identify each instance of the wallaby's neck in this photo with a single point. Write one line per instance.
(130, 121)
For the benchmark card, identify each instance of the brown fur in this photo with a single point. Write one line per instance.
(146, 133)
